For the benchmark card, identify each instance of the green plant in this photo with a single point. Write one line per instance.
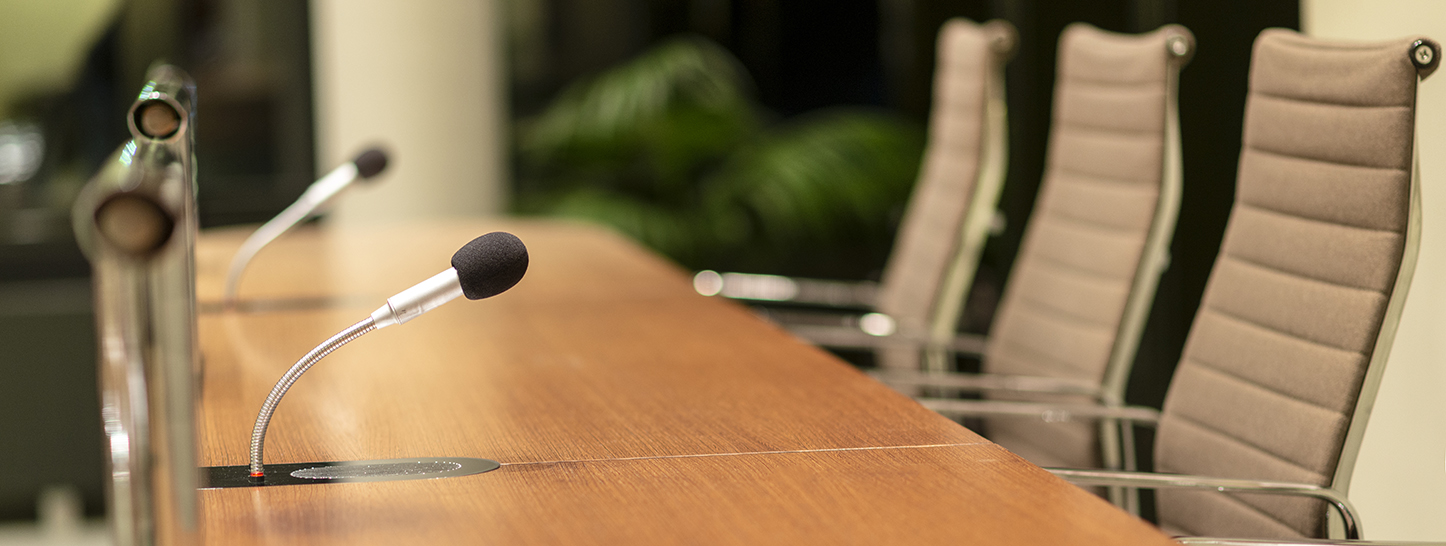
(671, 150)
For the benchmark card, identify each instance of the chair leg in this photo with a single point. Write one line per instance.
(1131, 464)
(1110, 457)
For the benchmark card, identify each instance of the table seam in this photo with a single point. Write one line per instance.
(746, 453)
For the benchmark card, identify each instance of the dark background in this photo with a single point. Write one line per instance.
(255, 147)
(254, 156)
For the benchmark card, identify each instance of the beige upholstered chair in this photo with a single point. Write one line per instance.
(1287, 349)
(944, 227)
(1081, 289)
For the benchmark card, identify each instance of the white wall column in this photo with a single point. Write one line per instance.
(1400, 479)
(425, 78)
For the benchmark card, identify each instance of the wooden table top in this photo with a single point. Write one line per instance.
(624, 408)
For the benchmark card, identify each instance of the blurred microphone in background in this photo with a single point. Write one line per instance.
(315, 200)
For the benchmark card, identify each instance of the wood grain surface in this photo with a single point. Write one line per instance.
(625, 408)
(971, 494)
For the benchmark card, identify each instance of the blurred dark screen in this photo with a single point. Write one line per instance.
(252, 65)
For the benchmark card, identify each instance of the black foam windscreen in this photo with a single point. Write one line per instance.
(370, 162)
(490, 264)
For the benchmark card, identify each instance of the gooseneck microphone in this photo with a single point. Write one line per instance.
(484, 267)
(316, 197)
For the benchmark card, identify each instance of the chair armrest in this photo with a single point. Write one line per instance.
(777, 288)
(1299, 542)
(1150, 480)
(854, 336)
(1049, 412)
(964, 382)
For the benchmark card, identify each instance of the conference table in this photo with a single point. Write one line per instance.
(623, 407)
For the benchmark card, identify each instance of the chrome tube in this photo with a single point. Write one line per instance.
(1212, 541)
(965, 382)
(1049, 412)
(1183, 481)
(136, 222)
(263, 419)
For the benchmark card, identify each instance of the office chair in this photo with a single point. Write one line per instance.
(1284, 358)
(1076, 302)
(944, 227)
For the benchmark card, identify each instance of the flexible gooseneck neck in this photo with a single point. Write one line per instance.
(484, 267)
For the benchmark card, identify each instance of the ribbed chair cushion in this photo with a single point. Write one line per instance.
(930, 235)
(1082, 248)
(1274, 363)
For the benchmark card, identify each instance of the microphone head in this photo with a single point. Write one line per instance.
(370, 162)
(490, 264)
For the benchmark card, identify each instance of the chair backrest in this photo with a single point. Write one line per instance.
(1285, 354)
(948, 215)
(1097, 241)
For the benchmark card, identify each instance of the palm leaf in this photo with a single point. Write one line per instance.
(670, 150)
(832, 179)
(650, 122)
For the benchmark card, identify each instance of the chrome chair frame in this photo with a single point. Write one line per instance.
(1349, 521)
(1301, 542)
(852, 329)
(1345, 522)
(1116, 435)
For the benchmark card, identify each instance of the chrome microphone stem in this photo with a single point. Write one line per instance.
(316, 197)
(406, 305)
(268, 232)
(420, 298)
(263, 420)
(490, 264)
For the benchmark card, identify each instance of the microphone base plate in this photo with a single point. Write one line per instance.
(380, 470)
